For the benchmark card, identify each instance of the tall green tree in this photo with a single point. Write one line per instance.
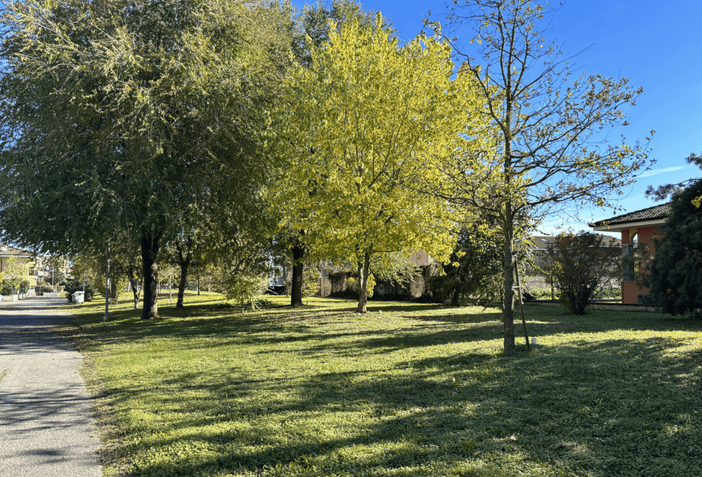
(548, 148)
(121, 115)
(312, 27)
(675, 270)
(369, 124)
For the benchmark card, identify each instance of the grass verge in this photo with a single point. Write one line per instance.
(406, 390)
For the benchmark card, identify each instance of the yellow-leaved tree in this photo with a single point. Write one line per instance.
(366, 131)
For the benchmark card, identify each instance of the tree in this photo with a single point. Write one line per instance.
(55, 265)
(118, 117)
(369, 123)
(582, 266)
(16, 272)
(124, 268)
(313, 25)
(181, 252)
(245, 290)
(667, 190)
(125, 263)
(547, 149)
(312, 31)
(473, 264)
(675, 271)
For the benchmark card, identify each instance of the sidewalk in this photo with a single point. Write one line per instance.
(46, 428)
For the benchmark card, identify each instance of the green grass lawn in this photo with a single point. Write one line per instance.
(415, 390)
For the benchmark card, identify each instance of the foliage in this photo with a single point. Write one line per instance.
(168, 277)
(545, 293)
(668, 190)
(394, 268)
(355, 285)
(245, 290)
(76, 284)
(675, 274)
(473, 266)
(420, 391)
(312, 26)
(139, 112)
(54, 264)
(117, 287)
(548, 147)
(360, 143)
(310, 280)
(124, 264)
(314, 23)
(15, 273)
(6, 289)
(583, 268)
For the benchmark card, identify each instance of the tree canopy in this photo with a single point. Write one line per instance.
(123, 116)
(368, 127)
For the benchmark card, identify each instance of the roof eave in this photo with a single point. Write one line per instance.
(626, 225)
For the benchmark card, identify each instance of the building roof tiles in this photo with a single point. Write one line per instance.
(657, 212)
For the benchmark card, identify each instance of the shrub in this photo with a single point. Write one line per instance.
(77, 285)
(245, 289)
(474, 267)
(582, 266)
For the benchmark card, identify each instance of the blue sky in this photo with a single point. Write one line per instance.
(657, 45)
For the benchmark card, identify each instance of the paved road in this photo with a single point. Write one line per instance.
(46, 428)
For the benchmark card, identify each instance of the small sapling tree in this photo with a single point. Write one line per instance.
(548, 148)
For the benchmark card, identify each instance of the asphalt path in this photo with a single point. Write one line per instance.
(46, 428)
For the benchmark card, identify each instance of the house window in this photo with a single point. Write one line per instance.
(629, 259)
(629, 262)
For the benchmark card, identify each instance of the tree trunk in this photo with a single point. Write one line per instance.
(456, 296)
(150, 246)
(508, 277)
(134, 283)
(113, 290)
(508, 304)
(298, 268)
(184, 262)
(363, 271)
(182, 283)
(521, 303)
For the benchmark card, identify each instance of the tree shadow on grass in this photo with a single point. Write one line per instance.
(613, 406)
(606, 406)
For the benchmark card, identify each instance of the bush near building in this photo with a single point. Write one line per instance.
(582, 268)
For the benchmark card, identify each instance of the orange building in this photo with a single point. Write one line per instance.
(638, 229)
